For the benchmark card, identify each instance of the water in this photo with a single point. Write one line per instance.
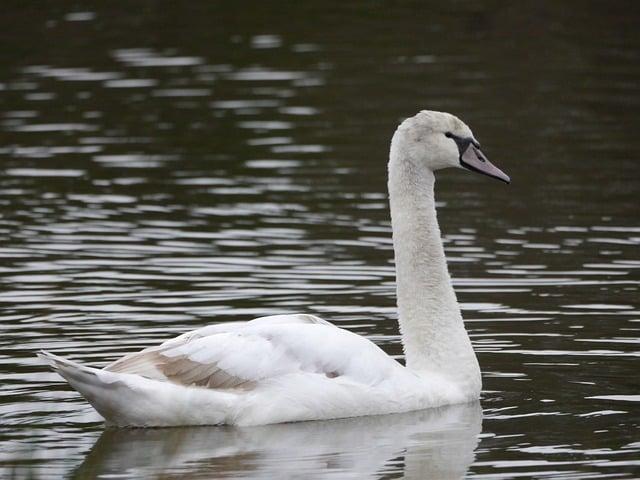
(164, 168)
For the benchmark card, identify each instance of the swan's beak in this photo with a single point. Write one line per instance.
(473, 159)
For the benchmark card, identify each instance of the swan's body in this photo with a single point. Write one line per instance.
(299, 367)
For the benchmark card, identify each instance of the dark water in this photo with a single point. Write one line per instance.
(163, 168)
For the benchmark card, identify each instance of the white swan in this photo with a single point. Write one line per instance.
(288, 368)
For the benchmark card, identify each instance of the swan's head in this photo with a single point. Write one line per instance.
(441, 140)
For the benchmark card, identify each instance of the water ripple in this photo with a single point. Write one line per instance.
(154, 183)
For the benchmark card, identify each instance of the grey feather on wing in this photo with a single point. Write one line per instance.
(152, 364)
(185, 371)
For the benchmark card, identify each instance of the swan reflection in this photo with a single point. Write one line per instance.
(436, 443)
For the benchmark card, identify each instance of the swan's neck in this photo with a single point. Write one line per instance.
(433, 333)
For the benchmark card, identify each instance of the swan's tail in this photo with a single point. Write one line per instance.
(102, 390)
(132, 400)
(73, 372)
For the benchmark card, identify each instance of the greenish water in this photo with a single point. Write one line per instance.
(166, 167)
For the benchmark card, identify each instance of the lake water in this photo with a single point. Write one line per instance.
(167, 167)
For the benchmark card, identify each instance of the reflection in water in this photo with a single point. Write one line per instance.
(436, 443)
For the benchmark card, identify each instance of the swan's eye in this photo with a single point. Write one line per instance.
(448, 135)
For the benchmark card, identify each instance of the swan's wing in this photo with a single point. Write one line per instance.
(259, 351)
(300, 318)
(145, 362)
(222, 360)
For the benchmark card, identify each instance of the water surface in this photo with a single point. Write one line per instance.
(164, 168)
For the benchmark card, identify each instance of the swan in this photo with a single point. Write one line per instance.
(287, 368)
